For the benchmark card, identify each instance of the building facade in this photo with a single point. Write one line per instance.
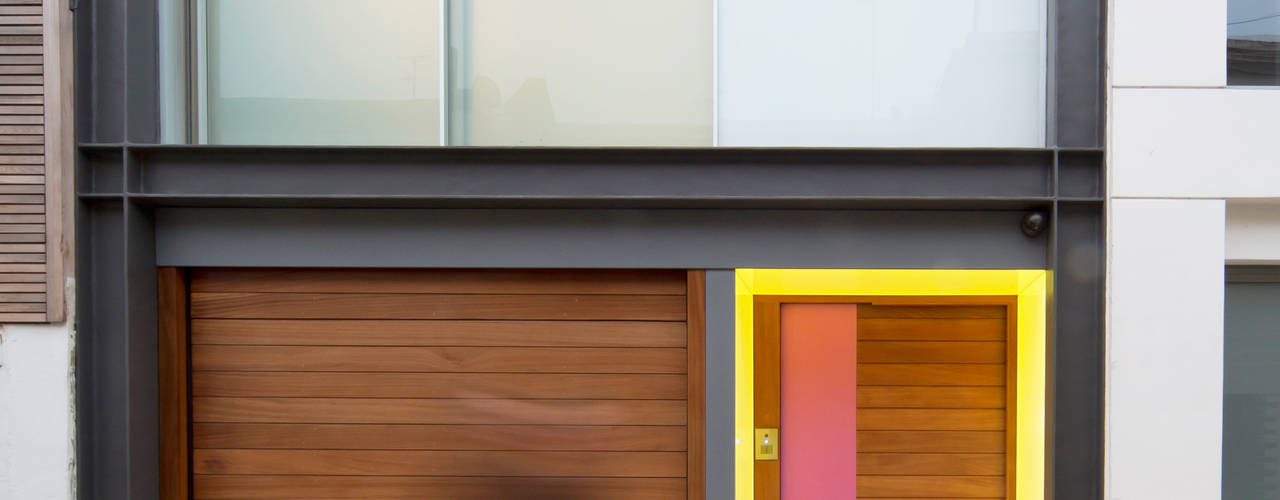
(503, 249)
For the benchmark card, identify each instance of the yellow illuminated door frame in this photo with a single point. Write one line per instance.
(1029, 286)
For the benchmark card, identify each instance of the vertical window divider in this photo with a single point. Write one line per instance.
(715, 73)
(200, 121)
(442, 49)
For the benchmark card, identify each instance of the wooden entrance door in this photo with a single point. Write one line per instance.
(935, 396)
(432, 384)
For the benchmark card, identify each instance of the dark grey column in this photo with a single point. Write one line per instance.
(720, 383)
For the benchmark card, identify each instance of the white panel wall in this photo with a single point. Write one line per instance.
(1164, 432)
(1189, 143)
(36, 424)
(1169, 43)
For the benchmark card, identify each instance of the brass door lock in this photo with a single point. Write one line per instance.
(766, 444)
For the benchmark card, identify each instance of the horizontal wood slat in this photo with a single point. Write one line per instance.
(931, 486)
(931, 352)
(440, 306)
(930, 397)
(930, 312)
(936, 464)
(440, 359)
(440, 463)
(213, 487)
(439, 333)
(440, 437)
(439, 411)
(441, 281)
(930, 329)
(439, 385)
(931, 442)
(22, 161)
(931, 374)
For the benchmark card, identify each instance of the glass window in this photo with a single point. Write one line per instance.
(904, 73)
(1251, 399)
(1253, 42)
(581, 72)
(335, 72)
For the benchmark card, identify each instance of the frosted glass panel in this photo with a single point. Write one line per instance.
(581, 72)
(336, 72)
(906, 73)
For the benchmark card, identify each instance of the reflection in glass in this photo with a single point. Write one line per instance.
(1253, 42)
(1251, 399)
(901, 73)
(580, 72)
(335, 72)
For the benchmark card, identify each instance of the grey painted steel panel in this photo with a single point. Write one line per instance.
(721, 349)
(1076, 350)
(568, 173)
(681, 239)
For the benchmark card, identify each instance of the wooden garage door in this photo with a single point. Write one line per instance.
(432, 384)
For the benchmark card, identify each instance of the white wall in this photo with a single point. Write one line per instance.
(1194, 182)
(36, 423)
(1165, 349)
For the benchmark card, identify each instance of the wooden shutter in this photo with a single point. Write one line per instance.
(35, 138)
(438, 384)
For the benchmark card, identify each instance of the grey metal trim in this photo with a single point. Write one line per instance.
(566, 177)
(721, 349)
(1253, 274)
(596, 238)
(1078, 73)
(1076, 352)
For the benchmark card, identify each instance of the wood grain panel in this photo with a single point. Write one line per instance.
(768, 397)
(439, 333)
(440, 359)
(931, 486)
(439, 411)
(931, 352)
(440, 437)
(696, 314)
(931, 374)
(931, 312)
(931, 420)
(930, 329)
(439, 306)
(939, 464)
(439, 385)
(171, 305)
(930, 397)
(213, 487)
(931, 441)
(442, 281)
(440, 463)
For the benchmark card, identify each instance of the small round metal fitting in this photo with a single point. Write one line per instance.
(1034, 223)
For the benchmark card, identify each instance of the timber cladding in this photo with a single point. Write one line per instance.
(33, 146)
(459, 384)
